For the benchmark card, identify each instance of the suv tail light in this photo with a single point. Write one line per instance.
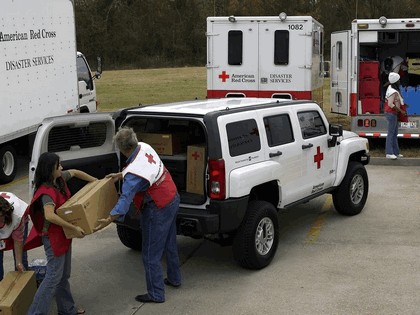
(217, 184)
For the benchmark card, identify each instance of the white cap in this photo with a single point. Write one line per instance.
(393, 77)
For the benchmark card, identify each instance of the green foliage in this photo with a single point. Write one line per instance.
(132, 34)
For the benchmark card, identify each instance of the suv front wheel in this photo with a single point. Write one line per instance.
(256, 240)
(350, 197)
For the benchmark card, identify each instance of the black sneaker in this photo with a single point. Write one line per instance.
(167, 282)
(145, 298)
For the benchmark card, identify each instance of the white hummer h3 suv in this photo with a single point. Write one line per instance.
(260, 155)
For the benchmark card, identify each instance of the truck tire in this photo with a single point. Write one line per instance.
(255, 242)
(350, 197)
(129, 237)
(8, 167)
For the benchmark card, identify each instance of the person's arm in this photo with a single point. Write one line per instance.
(17, 236)
(18, 249)
(81, 175)
(51, 216)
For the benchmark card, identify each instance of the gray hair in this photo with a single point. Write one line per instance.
(126, 139)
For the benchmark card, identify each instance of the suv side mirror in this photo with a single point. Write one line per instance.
(335, 131)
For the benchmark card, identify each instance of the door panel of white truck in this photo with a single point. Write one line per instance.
(340, 67)
(82, 141)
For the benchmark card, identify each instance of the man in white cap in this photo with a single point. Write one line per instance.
(392, 108)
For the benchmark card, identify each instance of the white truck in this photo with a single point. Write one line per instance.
(265, 56)
(41, 73)
(361, 59)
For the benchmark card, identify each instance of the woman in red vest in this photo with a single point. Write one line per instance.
(51, 192)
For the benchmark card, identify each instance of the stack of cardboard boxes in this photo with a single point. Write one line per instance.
(186, 163)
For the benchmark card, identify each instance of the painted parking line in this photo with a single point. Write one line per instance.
(316, 227)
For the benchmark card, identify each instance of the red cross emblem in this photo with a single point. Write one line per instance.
(318, 157)
(224, 76)
(195, 155)
(150, 158)
(5, 196)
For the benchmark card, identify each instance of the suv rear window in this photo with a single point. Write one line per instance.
(243, 137)
(65, 138)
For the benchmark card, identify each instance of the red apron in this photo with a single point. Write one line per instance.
(59, 243)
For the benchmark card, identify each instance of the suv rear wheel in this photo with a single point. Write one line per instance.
(350, 197)
(129, 237)
(255, 243)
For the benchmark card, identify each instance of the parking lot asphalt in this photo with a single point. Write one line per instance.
(325, 263)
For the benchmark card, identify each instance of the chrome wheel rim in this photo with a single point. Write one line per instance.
(357, 189)
(264, 236)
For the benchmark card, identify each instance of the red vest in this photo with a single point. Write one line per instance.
(59, 243)
(163, 191)
(148, 165)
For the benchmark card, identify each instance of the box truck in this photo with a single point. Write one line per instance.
(361, 59)
(265, 56)
(41, 73)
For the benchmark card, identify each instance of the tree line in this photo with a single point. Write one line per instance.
(130, 34)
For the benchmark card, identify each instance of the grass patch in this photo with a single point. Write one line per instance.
(126, 88)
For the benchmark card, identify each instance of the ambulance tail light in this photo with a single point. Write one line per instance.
(366, 123)
(216, 185)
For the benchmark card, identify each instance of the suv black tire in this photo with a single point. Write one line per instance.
(129, 237)
(350, 197)
(261, 217)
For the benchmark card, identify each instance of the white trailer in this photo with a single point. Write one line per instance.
(359, 68)
(38, 73)
(265, 56)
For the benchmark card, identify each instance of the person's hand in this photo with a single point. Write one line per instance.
(80, 233)
(103, 223)
(115, 176)
(20, 267)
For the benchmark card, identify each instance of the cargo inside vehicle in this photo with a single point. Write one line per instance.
(373, 70)
(181, 145)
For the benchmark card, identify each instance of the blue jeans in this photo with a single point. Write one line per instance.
(391, 145)
(55, 284)
(24, 255)
(159, 237)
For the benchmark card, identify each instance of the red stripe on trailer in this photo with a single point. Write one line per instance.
(407, 135)
(376, 134)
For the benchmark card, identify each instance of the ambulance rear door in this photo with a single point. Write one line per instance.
(232, 57)
(284, 62)
(340, 69)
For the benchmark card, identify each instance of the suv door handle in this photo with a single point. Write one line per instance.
(278, 153)
(307, 146)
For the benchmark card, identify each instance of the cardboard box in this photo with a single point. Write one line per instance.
(94, 201)
(165, 144)
(196, 163)
(17, 291)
